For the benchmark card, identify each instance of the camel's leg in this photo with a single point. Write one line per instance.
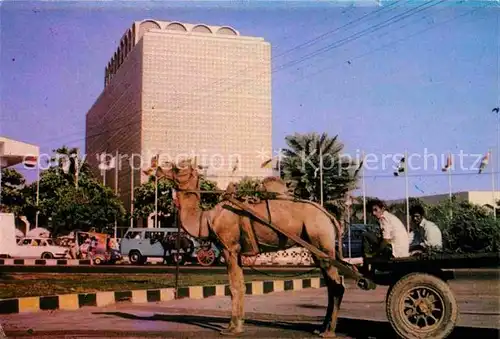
(237, 287)
(336, 290)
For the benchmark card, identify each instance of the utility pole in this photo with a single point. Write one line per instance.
(37, 191)
(156, 190)
(131, 162)
(321, 173)
(116, 188)
(407, 168)
(77, 167)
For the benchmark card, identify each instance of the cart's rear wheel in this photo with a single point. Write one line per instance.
(421, 306)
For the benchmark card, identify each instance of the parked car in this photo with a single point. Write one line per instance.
(356, 241)
(40, 247)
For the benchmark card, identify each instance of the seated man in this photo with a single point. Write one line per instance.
(424, 233)
(393, 242)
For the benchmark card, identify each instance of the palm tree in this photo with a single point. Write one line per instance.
(300, 167)
(75, 161)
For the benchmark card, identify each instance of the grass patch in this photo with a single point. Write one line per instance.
(17, 285)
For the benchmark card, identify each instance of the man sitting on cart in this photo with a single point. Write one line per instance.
(424, 234)
(391, 242)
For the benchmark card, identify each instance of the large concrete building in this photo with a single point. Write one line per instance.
(182, 90)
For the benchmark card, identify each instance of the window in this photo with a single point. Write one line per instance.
(133, 235)
(27, 242)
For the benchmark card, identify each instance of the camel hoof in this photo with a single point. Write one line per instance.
(231, 332)
(327, 334)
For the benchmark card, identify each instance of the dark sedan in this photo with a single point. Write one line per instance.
(353, 248)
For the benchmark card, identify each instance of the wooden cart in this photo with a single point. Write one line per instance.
(419, 302)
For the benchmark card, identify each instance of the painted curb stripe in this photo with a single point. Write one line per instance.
(77, 301)
(268, 286)
(45, 262)
(87, 299)
(153, 295)
(209, 291)
(123, 296)
(183, 293)
(9, 306)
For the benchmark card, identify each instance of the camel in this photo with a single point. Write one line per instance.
(241, 235)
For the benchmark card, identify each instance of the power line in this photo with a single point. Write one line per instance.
(324, 35)
(359, 35)
(322, 70)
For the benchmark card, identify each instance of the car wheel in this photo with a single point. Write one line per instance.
(47, 255)
(97, 261)
(135, 258)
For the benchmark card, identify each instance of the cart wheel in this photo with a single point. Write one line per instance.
(97, 261)
(421, 306)
(205, 257)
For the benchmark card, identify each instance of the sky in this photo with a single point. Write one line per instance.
(385, 76)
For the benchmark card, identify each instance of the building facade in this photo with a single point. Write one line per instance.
(182, 91)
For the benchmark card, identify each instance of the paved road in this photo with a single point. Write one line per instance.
(279, 315)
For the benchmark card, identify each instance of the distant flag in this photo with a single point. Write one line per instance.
(267, 164)
(448, 164)
(236, 165)
(152, 167)
(271, 163)
(484, 162)
(105, 165)
(30, 161)
(360, 166)
(401, 167)
(66, 165)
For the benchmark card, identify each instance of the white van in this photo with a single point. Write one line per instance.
(139, 245)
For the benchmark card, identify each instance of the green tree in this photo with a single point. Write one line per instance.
(471, 228)
(65, 207)
(72, 155)
(301, 163)
(144, 199)
(208, 200)
(13, 199)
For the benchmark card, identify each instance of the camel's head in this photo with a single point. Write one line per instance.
(184, 174)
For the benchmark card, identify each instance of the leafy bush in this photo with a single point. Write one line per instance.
(466, 228)
(469, 228)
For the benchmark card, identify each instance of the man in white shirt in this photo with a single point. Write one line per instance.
(424, 233)
(393, 242)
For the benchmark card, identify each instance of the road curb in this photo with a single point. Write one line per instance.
(45, 262)
(77, 301)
